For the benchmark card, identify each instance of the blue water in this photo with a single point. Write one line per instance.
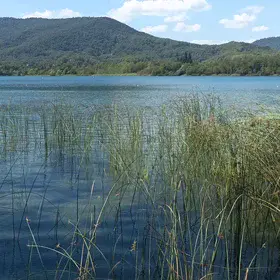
(138, 91)
(54, 192)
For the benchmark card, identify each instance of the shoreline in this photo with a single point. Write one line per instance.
(137, 75)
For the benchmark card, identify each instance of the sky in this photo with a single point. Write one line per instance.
(196, 21)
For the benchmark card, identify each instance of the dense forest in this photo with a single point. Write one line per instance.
(272, 42)
(242, 65)
(92, 46)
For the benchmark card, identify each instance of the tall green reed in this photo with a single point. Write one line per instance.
(209, 180)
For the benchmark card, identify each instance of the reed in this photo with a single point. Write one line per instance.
(207, 180)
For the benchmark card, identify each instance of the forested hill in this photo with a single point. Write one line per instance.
(99, 38)
(272, 42)
(90, 45)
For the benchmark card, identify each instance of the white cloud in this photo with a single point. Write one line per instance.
(208, 42)
(135, 8)
(155, 29)
(259, 28)
(253, 10)
(216, 42)
(249, 41)
(247, 16)
(176, 18)
(182, 27)
(64, 13)
(238, 21)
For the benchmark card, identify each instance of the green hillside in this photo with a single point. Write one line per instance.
(99, 38)
(272, 42)
(88, 45)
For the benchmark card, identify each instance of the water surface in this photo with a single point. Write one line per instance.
(137, 91)
(53, 191)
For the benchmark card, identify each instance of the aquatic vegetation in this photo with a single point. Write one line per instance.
(192, 190)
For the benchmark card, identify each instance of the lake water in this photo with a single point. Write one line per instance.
(53, 191)
(138, 91)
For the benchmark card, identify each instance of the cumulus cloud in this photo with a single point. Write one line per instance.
(217, 42)
(247, 16)
(238, 21)
(182, 27)
(259, 28)
(249, 41)
(155, 29)
(176, 18)
(253, 9)
(64, 13)
(135, 8)
(208, 42)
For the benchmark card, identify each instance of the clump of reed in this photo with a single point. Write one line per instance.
(195, 158)
(209, 182)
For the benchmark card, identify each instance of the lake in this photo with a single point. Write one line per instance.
(53, 186)
(137, 91)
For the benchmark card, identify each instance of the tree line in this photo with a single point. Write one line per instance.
(240, 64)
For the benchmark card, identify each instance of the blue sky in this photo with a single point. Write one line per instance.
(199, 21)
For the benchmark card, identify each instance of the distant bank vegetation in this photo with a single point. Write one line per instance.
(240, 65)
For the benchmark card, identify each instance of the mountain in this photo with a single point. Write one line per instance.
(97, 39)
(101, 45)
(272, 42)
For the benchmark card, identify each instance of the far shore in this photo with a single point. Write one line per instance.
(138, 75)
